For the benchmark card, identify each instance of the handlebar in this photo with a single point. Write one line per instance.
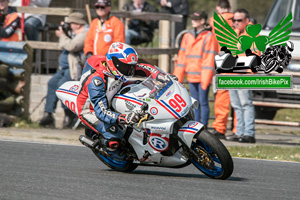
(144, 107)
(143, 119)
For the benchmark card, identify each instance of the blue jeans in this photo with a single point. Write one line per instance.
(32, 26)
(202, 97)
(54, 83)
(131, 35)
(241, 101)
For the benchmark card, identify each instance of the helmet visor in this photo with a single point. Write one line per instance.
(123, 68)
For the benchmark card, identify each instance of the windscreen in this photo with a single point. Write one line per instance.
(154, 86)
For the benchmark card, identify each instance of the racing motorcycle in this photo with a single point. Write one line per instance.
(166, 135)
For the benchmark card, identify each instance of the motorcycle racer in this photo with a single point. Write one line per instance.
(101, 79)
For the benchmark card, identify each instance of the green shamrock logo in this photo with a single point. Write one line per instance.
(247, 41)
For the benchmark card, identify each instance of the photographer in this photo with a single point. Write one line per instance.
(69, 65)
(9, 22)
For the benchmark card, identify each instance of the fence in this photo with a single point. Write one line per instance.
(15, 73)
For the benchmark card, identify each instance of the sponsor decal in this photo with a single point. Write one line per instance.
(153, 70)
(74, 88)
(184, 111)
(97, 82)
(105, 111)
(158, 143)
(129, 105)
(107, 38)
(158, 128)
(137, 134)
(153, 111)
(193, 124)
(164, 89)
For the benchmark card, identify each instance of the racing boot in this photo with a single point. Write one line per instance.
(113, 149)
(47, 120)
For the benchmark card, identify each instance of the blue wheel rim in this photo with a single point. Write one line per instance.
(217, 171)
(114, 163)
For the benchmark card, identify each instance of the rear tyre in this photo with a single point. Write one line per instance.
(215, 160)
(121, 166)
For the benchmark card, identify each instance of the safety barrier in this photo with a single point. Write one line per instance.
(15, 73)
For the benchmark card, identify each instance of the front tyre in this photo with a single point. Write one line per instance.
(213, 159)
(121, 166)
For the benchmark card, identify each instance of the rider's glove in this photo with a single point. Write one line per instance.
(131, 118)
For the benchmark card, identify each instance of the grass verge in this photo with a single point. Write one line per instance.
(266, 152)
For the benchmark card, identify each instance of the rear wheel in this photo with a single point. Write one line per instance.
(213, 159)
(122, 166)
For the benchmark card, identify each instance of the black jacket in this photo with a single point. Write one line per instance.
(145, 28)
(180, 7)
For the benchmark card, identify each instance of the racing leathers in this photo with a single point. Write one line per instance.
(96, 91)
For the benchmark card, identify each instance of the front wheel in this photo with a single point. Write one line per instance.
(213, 159)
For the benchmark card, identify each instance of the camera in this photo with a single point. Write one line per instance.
(66, 27)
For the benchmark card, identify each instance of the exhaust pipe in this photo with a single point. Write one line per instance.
(95, 145)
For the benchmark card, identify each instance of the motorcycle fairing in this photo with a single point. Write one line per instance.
(67, 93)
(188, 131)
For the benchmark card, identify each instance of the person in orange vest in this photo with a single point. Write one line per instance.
(222, 99)
(9, 23)
(241, 100)
(196, 59)
(104, 30)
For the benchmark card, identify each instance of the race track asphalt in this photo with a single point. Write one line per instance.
(51, 171)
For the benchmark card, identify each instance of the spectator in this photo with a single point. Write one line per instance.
(33, 22)
(9, 22)
(178, 7)
(68, 66)
(104, 30)
(196, 59)
(139, 31)
(241, 100)
(222, 99)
